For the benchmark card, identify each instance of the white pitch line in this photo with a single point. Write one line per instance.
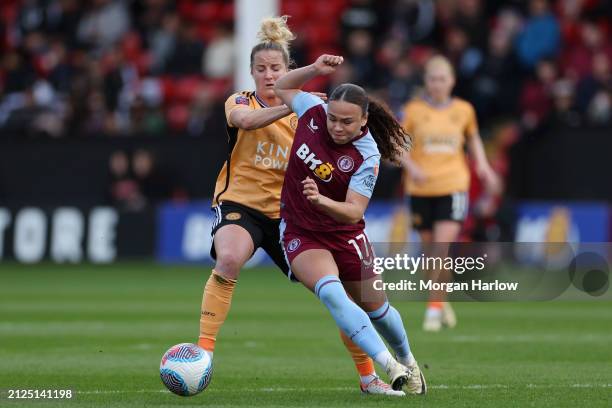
(295, 389)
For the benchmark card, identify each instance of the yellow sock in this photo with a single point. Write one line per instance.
(216, 303)
(363, 363)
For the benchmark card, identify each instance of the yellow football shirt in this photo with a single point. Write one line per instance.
(254, 172)
(439, 135)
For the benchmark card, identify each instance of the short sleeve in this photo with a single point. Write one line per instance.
(303, 101)
(471, 127)
(236, 101)
(364, 179)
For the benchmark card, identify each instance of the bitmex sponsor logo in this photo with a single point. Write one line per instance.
(323, 171)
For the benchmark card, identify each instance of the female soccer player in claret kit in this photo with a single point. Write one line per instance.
(437, 175)
(247, 194)
(332, 171)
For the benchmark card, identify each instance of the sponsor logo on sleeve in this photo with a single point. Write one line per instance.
(242, 100)
(369, 182)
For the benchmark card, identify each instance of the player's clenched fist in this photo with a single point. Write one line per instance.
(311, 191)
(326, 64)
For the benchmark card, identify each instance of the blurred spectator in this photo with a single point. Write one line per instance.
(152, 181)
(465, 57)
(163, 41)
(509, 21)
(540, 37)
(201, 113)
(60, 72)
(497, 84)
(218, 61)
(63, 18)
(600, 109)
(563, 114)
(596, 83)
(97, 120)
(390, 53)
(114, 77)
(103, 24)
(578, 58)
(186, 57)
(413, 20)
(145, 119)
(359, 54)
(470, 17)
(18, 72)
(367, 15)
(34, 115)
(535, 99)
(403, 84)
(123, 191)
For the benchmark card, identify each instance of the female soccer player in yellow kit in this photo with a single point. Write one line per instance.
(247, 193)
(437, 173)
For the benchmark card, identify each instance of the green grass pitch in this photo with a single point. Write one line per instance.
(101, 331)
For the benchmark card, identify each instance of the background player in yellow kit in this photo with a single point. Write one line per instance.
(247, 193)
(437, 175)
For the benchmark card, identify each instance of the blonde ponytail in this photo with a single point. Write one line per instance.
(274, 34)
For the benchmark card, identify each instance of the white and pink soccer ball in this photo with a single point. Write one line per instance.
(186, 369)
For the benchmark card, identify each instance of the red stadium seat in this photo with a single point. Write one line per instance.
(296, 9)
(177, 116)
(206, 12)
(187, 88)
(226, 13)
(318, 84)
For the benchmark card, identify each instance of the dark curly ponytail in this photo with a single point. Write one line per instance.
(392, 140)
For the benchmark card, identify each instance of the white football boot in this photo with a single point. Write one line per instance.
(416, 380)
(379, 387)
(398, 374)
(433, 320)
(449, 319)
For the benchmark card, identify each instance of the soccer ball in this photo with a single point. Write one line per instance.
(186, 369)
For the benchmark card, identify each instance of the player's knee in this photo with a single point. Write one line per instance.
(228, 265)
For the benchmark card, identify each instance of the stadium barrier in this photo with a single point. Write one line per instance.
(70, 234)
(180, 233)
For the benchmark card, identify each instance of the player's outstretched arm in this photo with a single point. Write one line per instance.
(290, 84)
(349, 211)
(249, 119)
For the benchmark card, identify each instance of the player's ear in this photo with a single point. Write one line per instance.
(364, 119)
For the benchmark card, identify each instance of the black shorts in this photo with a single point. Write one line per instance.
(264, 231)
(425, 211)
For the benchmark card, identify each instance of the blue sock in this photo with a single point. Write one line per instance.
(389, 324)
(349, 317)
